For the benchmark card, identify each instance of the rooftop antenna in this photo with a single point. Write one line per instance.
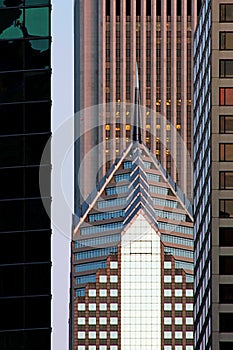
(137, 137)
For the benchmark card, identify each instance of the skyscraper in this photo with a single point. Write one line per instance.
(110, 36)
(213, 181)
(25, 231)
(132, 259)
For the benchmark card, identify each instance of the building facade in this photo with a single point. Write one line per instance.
(25, 230)
(110, 37)
(132, 260)
(213, 169)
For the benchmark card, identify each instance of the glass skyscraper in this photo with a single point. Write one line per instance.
(25, 230)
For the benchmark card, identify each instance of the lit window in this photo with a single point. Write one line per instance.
(226, 96)
(103, 279)
(81, 347)
(103, 320)
(189, 347)
(81, 335)
(113, 264)
(92, 335)
(189, 320)
(113, 279)
(226, 152)
(103, 292)
(167, 347)
(178, 347)
(92, 293)
(81, 307)
(103, 335)
(113, 347)
(92, 307)
(103, 347)
(92, 320)
(103, 307)
(91, 347)
(81, 320)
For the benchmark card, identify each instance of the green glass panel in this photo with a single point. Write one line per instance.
(37, 21)
(36, 2)
(10, 24)
(11, 3)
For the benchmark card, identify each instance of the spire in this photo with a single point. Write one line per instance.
(137, 137)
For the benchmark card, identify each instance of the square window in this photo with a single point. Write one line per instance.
(92, 347)
(167, 307)
(113, 279)
(103, 347)
(167, 335)
(81, 335)
(113, 265)
(189, 347)
(103, 292)
(102, 279)
(81, 347)
(178, 307)
(178, 347)
(81, 320)
(92, 335)
(189, 292)
(189, 320)
(92, 293)
(167, 264)
(189, 307)
(189, 335)
(167, 320)
(178, 292)
(103, 307)
(113, 320)
(178, 335)
(113, 347)
(103, 335)
(113, 293)
(178, 279)
(167, 292)
(81, 307)
(113, 335)
(167, 279)
(92, 320)
(103, 320)
(113, 307)
(178, 320)
(167, 347)
(92, 307)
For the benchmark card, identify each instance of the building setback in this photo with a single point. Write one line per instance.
(25, 231)
(213, 176)
(110, 36)
(132, 260)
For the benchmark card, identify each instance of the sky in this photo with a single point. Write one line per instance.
(62, 110)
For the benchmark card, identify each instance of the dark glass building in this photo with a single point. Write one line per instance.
(25, 228)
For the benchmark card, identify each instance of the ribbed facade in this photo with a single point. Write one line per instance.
(25, 228)
(110, 37)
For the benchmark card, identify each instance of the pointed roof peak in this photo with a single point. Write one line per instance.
(137, 137)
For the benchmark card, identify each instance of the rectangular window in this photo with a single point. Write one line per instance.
(226, 265)
(226, 180)
(226, 96)
(226, 13)
(226, 322)
(226, 152)
(226, 236)
(226, 124)
(226, 293)
(226, 208)
(226, 41)
(226, 68)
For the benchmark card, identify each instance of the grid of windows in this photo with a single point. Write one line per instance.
(106, 215)
(101, 228)
(116, 190)
(97, 241)
(177, 240)
(179, 252)
(175, 228)
(90, 266)
(95, 253)
(111, 203)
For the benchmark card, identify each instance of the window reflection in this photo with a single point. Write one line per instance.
(10, 24)
(37, 21)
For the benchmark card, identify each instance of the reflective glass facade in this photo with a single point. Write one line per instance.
(25, 230)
